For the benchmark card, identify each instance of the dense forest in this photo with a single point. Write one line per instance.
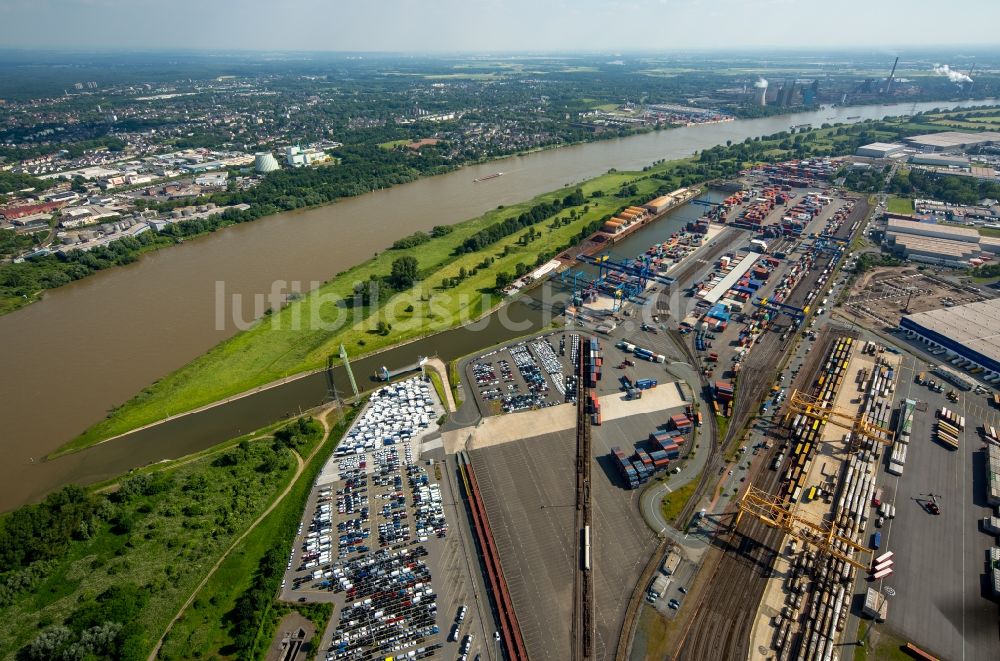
(120, 537)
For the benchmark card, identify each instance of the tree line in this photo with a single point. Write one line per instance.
(508, 226)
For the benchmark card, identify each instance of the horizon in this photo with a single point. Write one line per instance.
(515, 26)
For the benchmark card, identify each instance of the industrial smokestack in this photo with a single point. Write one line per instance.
(761, 94)
(956, 77)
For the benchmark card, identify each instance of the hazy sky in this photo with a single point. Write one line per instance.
(495, 25)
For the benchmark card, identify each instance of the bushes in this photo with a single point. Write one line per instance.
(101, 628)
(297, 433)
(412, 241)
(43, 531)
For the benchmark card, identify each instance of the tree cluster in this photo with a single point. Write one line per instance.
(412, 241)
(508, 226)
(944, 188)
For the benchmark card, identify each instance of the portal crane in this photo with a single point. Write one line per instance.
(859, 425)
(772, 511)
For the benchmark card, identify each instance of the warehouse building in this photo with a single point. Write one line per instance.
(969, 335)
(932, 230)
(931, 243)
(881, 150)
(953, 254)
(953, 140)
(941, 160)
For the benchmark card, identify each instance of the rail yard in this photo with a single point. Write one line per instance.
(828, 490)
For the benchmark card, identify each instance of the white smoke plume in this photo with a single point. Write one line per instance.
(761, 83)
(956, 77)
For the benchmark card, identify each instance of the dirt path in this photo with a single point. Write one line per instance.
(277, 501)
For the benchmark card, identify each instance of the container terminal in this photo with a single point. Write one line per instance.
(827, 475)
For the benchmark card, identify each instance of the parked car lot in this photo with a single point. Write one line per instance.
(527, 375)
(362, 543)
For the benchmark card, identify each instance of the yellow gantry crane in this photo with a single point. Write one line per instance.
(858, 424)
(772, 511)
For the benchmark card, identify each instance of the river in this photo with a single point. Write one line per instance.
(91, 345)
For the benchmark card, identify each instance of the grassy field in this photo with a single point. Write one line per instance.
(394, 143)
(160, 531)
(675, 501)
(202, 632)
(882, 645)
(901, 205)
(301, 336)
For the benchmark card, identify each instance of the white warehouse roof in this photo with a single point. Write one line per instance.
(974, 325)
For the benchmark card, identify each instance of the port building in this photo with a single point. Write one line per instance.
(881, 150)
(969, 335)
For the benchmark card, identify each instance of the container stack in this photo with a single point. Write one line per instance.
(594, 408)
(625, 468)
(993, 474)
(995, 570)
(723, 395)
(593, 362)
(681, 423)
(660, 459)
(667, 442)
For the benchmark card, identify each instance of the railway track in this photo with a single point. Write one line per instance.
(722, 622)
(583, 585)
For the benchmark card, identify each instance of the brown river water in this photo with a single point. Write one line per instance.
(91, 345)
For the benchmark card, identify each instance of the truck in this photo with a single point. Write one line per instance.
(921, 378)
(877, 498)
(876, 539)
(659, 587)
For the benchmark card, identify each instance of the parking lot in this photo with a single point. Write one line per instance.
(375, 541)
(940, 595)
(530, 374)
(538, 372)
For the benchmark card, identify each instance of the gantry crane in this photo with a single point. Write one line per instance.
(772, 511)
(858, 425)
(797, 314)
